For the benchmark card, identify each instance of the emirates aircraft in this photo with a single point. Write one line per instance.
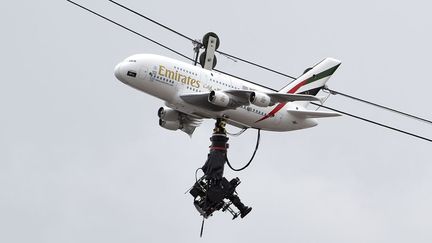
(192, 94)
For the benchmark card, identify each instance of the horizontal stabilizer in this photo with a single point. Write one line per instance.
(283, 98)
(313, 114)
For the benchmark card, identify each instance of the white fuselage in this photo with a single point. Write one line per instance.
(167, 79)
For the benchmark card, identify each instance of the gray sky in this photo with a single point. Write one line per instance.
(82, 158)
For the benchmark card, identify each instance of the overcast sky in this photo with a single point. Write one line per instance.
(82, 158)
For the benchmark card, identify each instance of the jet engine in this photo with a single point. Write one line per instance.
(168, 114)
(170, 125)
(260, 99)
(169, 118)
(219, 98)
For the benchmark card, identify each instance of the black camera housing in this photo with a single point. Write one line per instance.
(210, 196)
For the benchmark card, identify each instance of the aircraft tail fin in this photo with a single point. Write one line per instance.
(313, 79)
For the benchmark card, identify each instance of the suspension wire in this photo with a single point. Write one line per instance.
(230, 58)
(253, 155)
(374, 122)
(130, 30)
(195, 41)
(262, 67)
(334, 92)
(255, 64)
(160, 44)
(153, 21)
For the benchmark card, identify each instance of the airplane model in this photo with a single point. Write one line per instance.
(192, 93)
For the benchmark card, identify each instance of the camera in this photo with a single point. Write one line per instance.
(211, 195)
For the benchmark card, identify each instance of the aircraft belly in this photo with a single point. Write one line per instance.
(250, 119)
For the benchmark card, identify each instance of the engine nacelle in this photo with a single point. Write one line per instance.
(260, 99)
(219, 98)
(168, 114)
(170, 125)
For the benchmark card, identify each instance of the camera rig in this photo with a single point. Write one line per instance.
(209, 197)
(213, 192)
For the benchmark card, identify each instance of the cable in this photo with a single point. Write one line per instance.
(202, 227)
(334, 92)
(255, 64)
(324, 101)
(153, 21)
(374, 122)
(162, 45)
(195, 41)
(266, 68)
(196, 174)
(238, 133)
(190, 59)
(133, 31)
(253, 155)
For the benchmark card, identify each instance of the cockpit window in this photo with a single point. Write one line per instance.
(131, 74)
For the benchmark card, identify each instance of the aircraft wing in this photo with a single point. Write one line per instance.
(274, 96)
(241, 97)
(201, 100)
(190, 123)
(237, 99)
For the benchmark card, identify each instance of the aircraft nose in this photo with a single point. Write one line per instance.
(118, 72)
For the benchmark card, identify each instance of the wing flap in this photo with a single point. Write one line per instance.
(190, 124)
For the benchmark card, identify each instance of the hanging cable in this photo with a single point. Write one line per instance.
(374, 122)
(253, 155)
(196, 174)
(191, 39)
(324, 100)
(238, 133)
(202, 227)
(334, 92)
